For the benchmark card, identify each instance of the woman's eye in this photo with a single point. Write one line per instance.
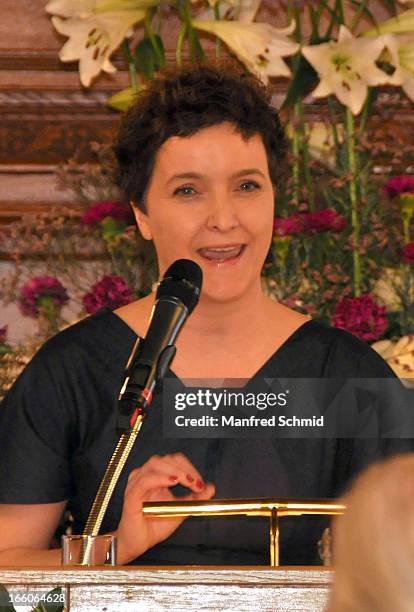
(185, 191)
(249, 186)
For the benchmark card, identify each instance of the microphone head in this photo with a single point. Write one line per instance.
(182, 281)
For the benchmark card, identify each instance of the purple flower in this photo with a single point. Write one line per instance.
(325, 220)
(38, 289)
(361, 316)
(111, 291)
(119, 211)
(295, 224)
(396, 185)
(3, 334)
(408, 253)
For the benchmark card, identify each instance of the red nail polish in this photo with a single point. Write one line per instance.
(190, 478)
(200, 484)
(173, 478)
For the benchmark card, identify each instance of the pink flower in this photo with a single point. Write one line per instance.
(361, 316)
(396, 185)
(408, 253)
(325, 220)
(3, 334)
(295, 224)
(38, 289)
(310, 222)
(119, 211)
(111, 291)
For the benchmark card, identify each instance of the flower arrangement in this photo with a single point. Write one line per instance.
(42, 293)
(343, 245)
(361, 316)
(408, 253)
(68, 264)
(109, 213)
(112, 291)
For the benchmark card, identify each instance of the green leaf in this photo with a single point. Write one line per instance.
(159, 50)
(196, 50)
(371, 98)
(362, 9)
(336, 17)
(305, 79)
(145, 58)
(324, 6)
(111, 228)
(314, 17)
(122, 100)
(394, 328)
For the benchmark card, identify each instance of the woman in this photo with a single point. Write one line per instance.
(199, 154)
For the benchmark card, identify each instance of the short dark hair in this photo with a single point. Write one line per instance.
(182, 102)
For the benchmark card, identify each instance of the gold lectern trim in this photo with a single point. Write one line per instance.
(274, 508)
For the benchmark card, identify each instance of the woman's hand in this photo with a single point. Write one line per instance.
(136, 532)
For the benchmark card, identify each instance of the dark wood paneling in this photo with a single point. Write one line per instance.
(47, 117)
(30, 139)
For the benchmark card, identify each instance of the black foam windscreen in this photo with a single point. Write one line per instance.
(182, 281)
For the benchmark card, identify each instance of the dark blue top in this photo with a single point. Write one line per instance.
(58, 432)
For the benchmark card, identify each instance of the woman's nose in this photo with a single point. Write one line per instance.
(222, 214)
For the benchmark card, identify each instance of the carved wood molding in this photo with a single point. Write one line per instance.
(48, 60)
(21, 100)
(36, 59)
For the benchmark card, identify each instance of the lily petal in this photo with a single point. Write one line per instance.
(84, 8)
(70, 8)
(259, 46)
(92, 40)
(404, 22)
(401, 56)
(347, 67)
(243, 11)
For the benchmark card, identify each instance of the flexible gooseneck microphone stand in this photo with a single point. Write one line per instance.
(176, 297)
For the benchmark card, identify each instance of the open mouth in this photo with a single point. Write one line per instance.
(222, 254)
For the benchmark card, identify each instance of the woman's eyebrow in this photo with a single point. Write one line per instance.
(196, 175)
(184, 175)
(247, 171)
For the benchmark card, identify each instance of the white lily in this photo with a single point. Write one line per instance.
(71, 8)
(243, 11)
(387, 287)
(401, 57)
(85, 8)
(400, 357)
(95, 29)
(347, 68)
(404, 22)
(259, 46)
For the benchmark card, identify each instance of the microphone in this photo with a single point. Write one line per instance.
(177, 295)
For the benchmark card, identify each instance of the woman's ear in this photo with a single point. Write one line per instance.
(142, 222)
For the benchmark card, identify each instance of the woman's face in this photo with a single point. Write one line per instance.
(210, 199)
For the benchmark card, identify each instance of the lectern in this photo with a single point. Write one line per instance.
(181, 588)
(177, 589)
